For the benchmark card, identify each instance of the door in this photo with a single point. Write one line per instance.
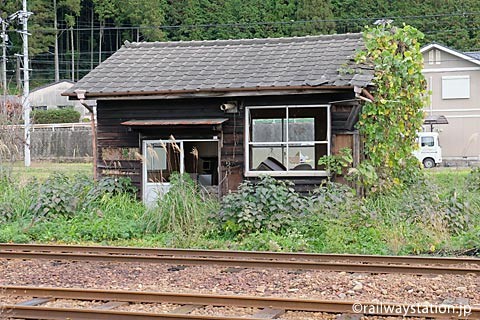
(162, 158)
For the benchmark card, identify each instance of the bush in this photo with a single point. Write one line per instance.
(266, 205)
(60, 195)
(112, 218)
(66, 115)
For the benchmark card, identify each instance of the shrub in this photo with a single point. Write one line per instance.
(66, 196)
(266, 205)
(334, 200)
(66, 115)
(183, 210)
(112, 218)
(472, 181)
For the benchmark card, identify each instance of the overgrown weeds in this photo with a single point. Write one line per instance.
(438, 215)
(66, 208)
(183, 211)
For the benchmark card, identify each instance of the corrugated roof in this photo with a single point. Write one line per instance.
(227, 65)
(173, 122)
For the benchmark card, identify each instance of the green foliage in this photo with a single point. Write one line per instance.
(66, 115)
(454, 23)
(438, 215)
(390, 123)
(290, 241)
(318, 13)
(15, 199)
(428, 206)
(113, 217)
(265, 205)
(337, 163)
(472, 180)
(183, 210)
(56, 197)
(68, 209)
(332, 200)
(61, 195)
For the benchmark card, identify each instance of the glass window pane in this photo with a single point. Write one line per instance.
(301, 158)
(268, 125)
(305, 156)
(428, 142)
(270, 158)
(301, 129)
(162, 159)
(307, 124)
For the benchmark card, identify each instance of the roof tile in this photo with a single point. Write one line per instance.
(227, 64)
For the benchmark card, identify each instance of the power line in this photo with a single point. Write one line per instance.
(127, 25)
(250, 24)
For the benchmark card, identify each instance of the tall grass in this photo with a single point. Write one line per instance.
(183, 211)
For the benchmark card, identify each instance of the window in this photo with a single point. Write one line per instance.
(428, 142)
(438, 57)
(456, 87)
(287, 140)
(162, 159)
(434, 56)
(39, 107)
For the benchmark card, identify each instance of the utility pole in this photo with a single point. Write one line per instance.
(23, 17)
(4, 55)
(55, 27)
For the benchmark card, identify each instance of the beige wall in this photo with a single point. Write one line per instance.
(461, 137)
(51, 97)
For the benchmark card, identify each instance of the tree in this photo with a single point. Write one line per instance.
(149, 15)
(105, 9)
(71, 11)
(317, 16)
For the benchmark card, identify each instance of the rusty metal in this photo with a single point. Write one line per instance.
(347, 263)
(173, 122)
(20, 312)
(250, 263)
(424, 260)
(311, 305)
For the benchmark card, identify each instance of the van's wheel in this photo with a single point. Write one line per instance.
(428, 163)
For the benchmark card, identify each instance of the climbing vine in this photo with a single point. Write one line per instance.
(390, 122)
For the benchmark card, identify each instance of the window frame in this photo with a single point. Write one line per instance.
(288, 172)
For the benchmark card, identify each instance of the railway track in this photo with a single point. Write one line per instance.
(186, 303)
(299, 261)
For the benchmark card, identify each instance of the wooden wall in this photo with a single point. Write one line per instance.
(111, 134)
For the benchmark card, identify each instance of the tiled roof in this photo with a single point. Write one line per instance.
(228, 65)
(474, 54)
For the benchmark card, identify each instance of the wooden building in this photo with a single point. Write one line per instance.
(226, 110)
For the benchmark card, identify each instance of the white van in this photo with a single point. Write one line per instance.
(429, 151)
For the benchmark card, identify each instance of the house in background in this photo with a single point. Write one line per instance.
(50, 97)
(226, 110)
(453, 78)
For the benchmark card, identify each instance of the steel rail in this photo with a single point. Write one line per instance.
(241, 254)
(231, 262)
(25, 312)
(310, 305)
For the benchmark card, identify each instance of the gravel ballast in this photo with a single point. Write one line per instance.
(450, 289)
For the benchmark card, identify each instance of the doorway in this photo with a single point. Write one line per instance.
(197, 157)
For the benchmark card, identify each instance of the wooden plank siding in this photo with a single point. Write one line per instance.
(110, 132)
